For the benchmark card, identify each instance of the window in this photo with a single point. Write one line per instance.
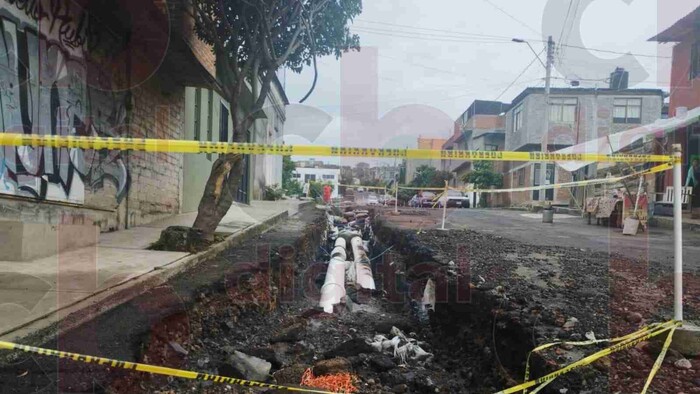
(295, 175)
(223, 123)
(521, 177)
(562, 109)
(329, 177)
(310, 178)
(627, 110)
(518, 118)
(695, 61)
(490, 147)
(197, 113)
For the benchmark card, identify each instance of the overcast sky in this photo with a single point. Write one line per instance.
(433, 58)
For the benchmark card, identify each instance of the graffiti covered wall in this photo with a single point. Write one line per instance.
(45, 75)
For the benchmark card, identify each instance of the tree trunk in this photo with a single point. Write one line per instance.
(219, 194)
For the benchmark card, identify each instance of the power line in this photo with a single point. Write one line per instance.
(453, 38)
(519, 75)
(614, 52)
(512, 17)
(563, 26)
(571, 26)
(566, 18)
(455, 32)
(424, 66)
(426, 36)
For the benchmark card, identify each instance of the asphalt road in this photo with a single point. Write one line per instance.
(573, 231)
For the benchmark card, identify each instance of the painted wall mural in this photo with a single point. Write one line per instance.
(44, 90)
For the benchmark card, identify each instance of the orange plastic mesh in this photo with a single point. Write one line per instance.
(337, 383)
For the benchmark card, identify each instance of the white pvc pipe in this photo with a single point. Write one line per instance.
(677, 235)
(444, 208)
(333, 289)
(362, 270)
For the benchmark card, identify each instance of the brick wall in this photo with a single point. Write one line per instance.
(202, 51)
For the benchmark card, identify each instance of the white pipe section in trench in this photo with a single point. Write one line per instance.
(363, 269)
(333, 289)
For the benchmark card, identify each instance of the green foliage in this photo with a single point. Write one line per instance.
(273, 193)
(288, 168)
(483, 176)
(405, 195)
(427, 176)
(316, 189)
(277, 32)
(294, 188)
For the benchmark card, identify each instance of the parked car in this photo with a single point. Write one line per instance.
(372, 199)
(453, 199)
(387, 199)
(427, 199)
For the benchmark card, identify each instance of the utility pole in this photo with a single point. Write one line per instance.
(545, 135)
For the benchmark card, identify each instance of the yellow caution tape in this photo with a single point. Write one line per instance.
(153, 369)
(422, 188)
(589, 182)
(584, 343)
(659, 360)
(186, 146)
(364, 187)
(631, 341)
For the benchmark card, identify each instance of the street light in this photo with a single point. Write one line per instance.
(547, 83)
(521, 41)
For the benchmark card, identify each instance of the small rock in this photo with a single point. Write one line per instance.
(332, 366)
(683, 364)
(249, 367)
(290, 375)
(203, 361)
(178, 348)
(570, 323)
(350, 348)
(291, 333)
(634, 317)
(400, 388)
(382, 363)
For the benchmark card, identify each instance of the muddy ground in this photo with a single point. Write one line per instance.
(520, 296)
(496, 299)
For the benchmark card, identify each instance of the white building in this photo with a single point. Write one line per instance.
(315, 174)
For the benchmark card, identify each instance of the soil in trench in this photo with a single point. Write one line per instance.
(496, 300)
(505, 297)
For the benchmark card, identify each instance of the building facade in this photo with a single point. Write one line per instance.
(425, 143)
(685, 88)
(117, 69)
(305, 175)
(481, 127)
(575, 115)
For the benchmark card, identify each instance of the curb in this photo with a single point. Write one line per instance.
(73, 315)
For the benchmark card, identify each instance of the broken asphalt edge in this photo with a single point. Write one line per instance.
(68, 317)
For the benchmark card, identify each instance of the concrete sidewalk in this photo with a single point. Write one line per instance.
(37, 293)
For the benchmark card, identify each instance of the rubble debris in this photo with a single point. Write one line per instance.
(249, 367)
(683, 363)
(332, 366)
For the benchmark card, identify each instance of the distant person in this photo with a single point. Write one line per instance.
(326, 194)
(305, 189)
(692, 180)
